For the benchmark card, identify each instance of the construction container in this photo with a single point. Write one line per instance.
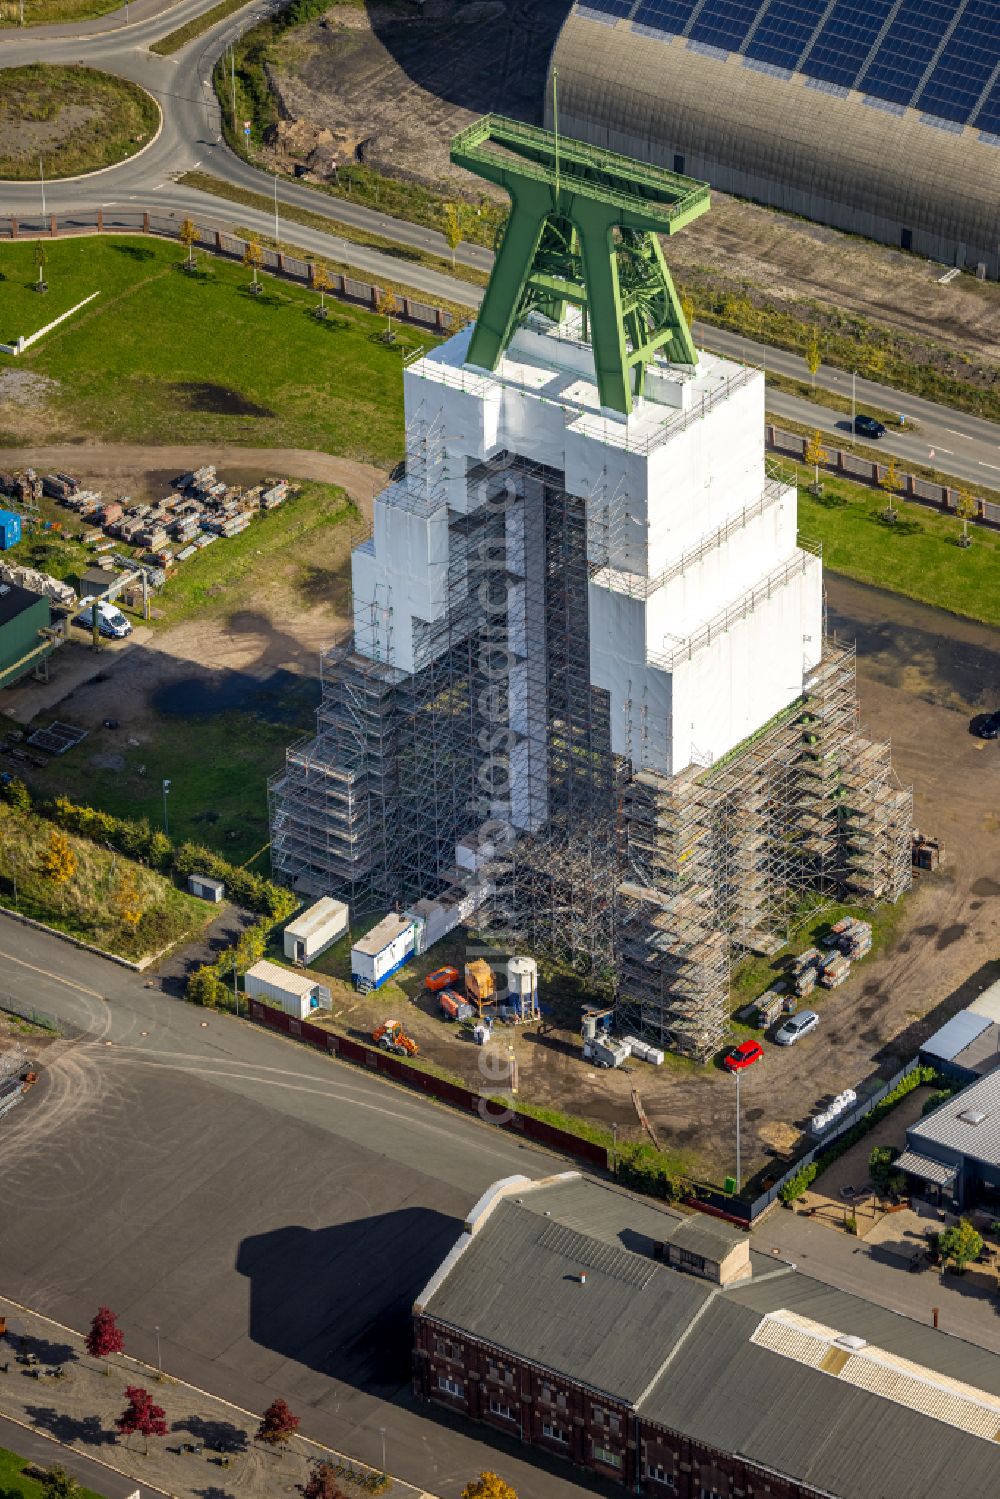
(385, 949)
(295, 993)
(480, 984)
(316, 929)
(206, 888)
(10, 529)
(522, 988)
(453, 1006)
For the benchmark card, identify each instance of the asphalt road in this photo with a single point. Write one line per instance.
(273, 1211)
(964, 446)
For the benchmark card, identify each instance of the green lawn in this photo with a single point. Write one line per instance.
(917, 556)
(164, 356)
(120, 118)
(49, 12)
(15, 1485)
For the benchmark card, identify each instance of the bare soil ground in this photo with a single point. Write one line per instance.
(390, 85)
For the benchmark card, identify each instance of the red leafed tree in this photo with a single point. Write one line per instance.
(141, 1415)
(277, 1425)
(105, 1336)
(323, 1483)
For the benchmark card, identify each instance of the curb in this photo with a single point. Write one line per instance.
(38, 1431)
(39, 926)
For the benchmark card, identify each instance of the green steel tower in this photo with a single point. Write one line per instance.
(582, 230)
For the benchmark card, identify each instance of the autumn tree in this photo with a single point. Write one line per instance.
(488, 1486)
(17, 795)
(815, 454)
(889, 484)
(322, 1483)
(322, 282)
(960, 1244)
(965, 509)
(385, 303)
(105, 1336)
(128, 900)
(277, 1426)
(453, 227)
(253, 256)
(141, 1415)
(58, 1484)
(59, 862)
(40, 259)
(814, 356)
(189, 238)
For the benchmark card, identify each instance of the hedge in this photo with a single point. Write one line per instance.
(797, 1184)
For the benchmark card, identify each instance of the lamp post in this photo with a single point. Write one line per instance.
(736, 1074)
(41, 173)
(166, 793)
(854, 402)
(277, 237)
(381, 1432)
(159, 1365)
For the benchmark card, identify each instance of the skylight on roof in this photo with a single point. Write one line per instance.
(972, 1116)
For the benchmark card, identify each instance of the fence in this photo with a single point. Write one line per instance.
(230, 247)
(42, 1018)
(434, 1087)
(869, 471)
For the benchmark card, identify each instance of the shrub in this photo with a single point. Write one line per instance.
(648, 1170)
(206, 988)
(796, 1185)
(16, 793)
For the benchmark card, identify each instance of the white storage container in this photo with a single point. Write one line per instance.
(385, 949)
(313, 931)
(295, 993)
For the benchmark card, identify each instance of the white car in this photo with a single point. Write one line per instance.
(110, 620)
(795, 1027)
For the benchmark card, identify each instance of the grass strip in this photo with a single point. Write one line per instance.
(15, 1482)
(206, 183)
(175, 40)
(113, 119)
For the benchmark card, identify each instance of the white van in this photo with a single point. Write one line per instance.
(110, 620)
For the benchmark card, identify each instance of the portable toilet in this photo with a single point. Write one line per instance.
(10, 529)
(522, 988)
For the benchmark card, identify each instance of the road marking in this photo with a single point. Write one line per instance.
(80, 988)
(949, 451)
(989, 465)
(957, 434)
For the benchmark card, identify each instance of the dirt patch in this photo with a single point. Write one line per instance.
(201, 395)
(26, 137)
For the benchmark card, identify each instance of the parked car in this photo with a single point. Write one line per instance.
(795, 1027)
(869, 426)
(110, 620)
(441, 978)
(986, 725)
(744, 1055)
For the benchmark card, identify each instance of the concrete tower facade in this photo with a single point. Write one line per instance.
(587, 703)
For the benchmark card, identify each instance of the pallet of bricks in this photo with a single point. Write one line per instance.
(805, 971)
(853, 937)
(771, 1005)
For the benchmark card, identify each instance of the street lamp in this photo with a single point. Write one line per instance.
(166, 793)
(41, 173)
(736, 1074)
(159, 1365)
(381, 1432)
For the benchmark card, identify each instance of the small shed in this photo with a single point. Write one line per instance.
(316, 929)
(295, 993)
(710, 1247)
(10, 529)
(386, 948)
(95, 580)
(206, 889)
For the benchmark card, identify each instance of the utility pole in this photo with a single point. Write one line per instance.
(166, 793)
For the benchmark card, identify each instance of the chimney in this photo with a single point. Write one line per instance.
(582, 1277)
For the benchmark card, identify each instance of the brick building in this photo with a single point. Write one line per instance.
(660, 1351)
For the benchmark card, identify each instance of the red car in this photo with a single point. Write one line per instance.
(743, 1055)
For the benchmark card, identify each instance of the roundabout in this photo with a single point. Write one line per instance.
(73, 119)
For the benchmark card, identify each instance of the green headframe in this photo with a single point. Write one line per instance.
(582, 229)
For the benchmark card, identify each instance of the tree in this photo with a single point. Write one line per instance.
(141, 1415)
(385, 302)
(128, 900)
(488, 1486)
(960, 1244)
(40, 259)
(253, 256)
(453, 227)
(189, 238)
(889, 484)
(17, 795)
(815, 454)
(687, 305)
(277, 1425)
(322, 1483)
(814, 355)
(322, 282)
(105, 1336)
(966, 510)
(880, 1165)
(58, 1484)
(59, 863)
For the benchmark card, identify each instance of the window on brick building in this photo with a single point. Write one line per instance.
(610, 1419)
(499, 1408)
(554, 1433)
(693, 1261)
(450, 1386)
(500, 1373)
(605, 1455)
(710, 1493)
(659, 1474)
(445, 1348)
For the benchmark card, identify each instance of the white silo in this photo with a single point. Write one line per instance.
(522, 987)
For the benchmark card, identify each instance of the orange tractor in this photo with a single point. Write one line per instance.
(391, 1037)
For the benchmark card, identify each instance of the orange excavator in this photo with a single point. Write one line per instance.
(391, 1037)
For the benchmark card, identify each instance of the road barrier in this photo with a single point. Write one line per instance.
(231, 247)
(490, 1111)
(912, 487)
